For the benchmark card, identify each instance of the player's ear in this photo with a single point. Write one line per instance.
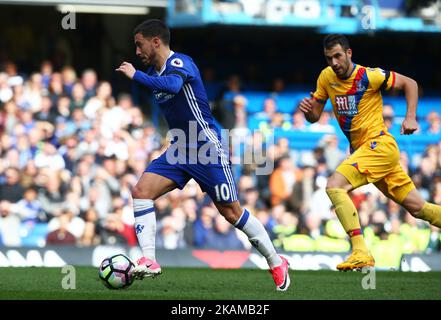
(349, 52)
(156, 42)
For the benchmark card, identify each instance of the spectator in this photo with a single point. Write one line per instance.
(299, 122)
(69, 77)
(320, 203)
(269, 110)
(29, 208)
(61, 234)
(251, 200)
(68, 220)
(302, 192)
(89, 82)
(331, 152)
(434, 120)
(103, 99)
(90, 236)
(11, 190)
(5, 90)
(267, 221)
(323, 125)
(203, 225)
(389, 118)
(46, 112)
(240, 112)
(9, 225)
(113, 231)
(29, 174)
(282, 180)
(222, 236)
(48, 157)
(170, 236)
(52, 193)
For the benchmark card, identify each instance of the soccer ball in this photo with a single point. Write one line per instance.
(116, 272)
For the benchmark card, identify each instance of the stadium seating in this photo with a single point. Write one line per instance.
(33, 235)
(287, 103)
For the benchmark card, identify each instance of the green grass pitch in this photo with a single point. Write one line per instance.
(208, 284)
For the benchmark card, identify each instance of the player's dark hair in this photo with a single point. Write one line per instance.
(332, 40)
(154, 28)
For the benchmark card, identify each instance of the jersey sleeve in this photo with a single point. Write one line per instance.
(381, 79)
(170, 83)
(181, 67)
(320, 94)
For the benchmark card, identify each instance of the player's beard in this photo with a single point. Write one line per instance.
(146, 61)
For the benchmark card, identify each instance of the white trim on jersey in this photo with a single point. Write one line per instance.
(191, 99)
(165, 63)
(215, 140)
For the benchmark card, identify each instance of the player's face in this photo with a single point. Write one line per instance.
(145, 49)
(339, 60)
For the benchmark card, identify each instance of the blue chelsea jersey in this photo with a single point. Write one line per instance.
(188, 109)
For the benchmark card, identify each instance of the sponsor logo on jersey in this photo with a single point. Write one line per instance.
(163, 96)
(346, 105)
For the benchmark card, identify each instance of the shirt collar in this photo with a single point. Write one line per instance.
(354, 66)
(165, 63)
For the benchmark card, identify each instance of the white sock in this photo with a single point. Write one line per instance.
(258, 237)
(145, 226)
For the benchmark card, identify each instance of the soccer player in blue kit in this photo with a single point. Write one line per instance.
(176, 84)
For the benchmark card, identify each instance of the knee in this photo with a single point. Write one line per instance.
(333, 183)
(413, 203)
(141, 193)
(338, 181)
(230, 213)
(415, 208)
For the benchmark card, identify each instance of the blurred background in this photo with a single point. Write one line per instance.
(75, 136)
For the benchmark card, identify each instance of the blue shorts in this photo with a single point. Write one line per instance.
(215, 179)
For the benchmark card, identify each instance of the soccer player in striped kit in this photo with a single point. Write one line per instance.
(177, 86)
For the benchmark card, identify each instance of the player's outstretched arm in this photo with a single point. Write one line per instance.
(312, 108)
(410, 88)
(171, 83)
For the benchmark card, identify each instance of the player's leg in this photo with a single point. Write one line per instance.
(159, 178)
(337, 190)
(217, 180)
(258, 237)
(371, 162)
(149, 187)
(421, 209)
(399, 187)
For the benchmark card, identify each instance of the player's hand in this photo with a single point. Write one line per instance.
(306, 104)
(409, 126)
(127, 69)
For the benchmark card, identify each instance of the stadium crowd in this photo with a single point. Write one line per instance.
(70, 152)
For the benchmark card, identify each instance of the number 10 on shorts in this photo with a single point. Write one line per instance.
(222, 192)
